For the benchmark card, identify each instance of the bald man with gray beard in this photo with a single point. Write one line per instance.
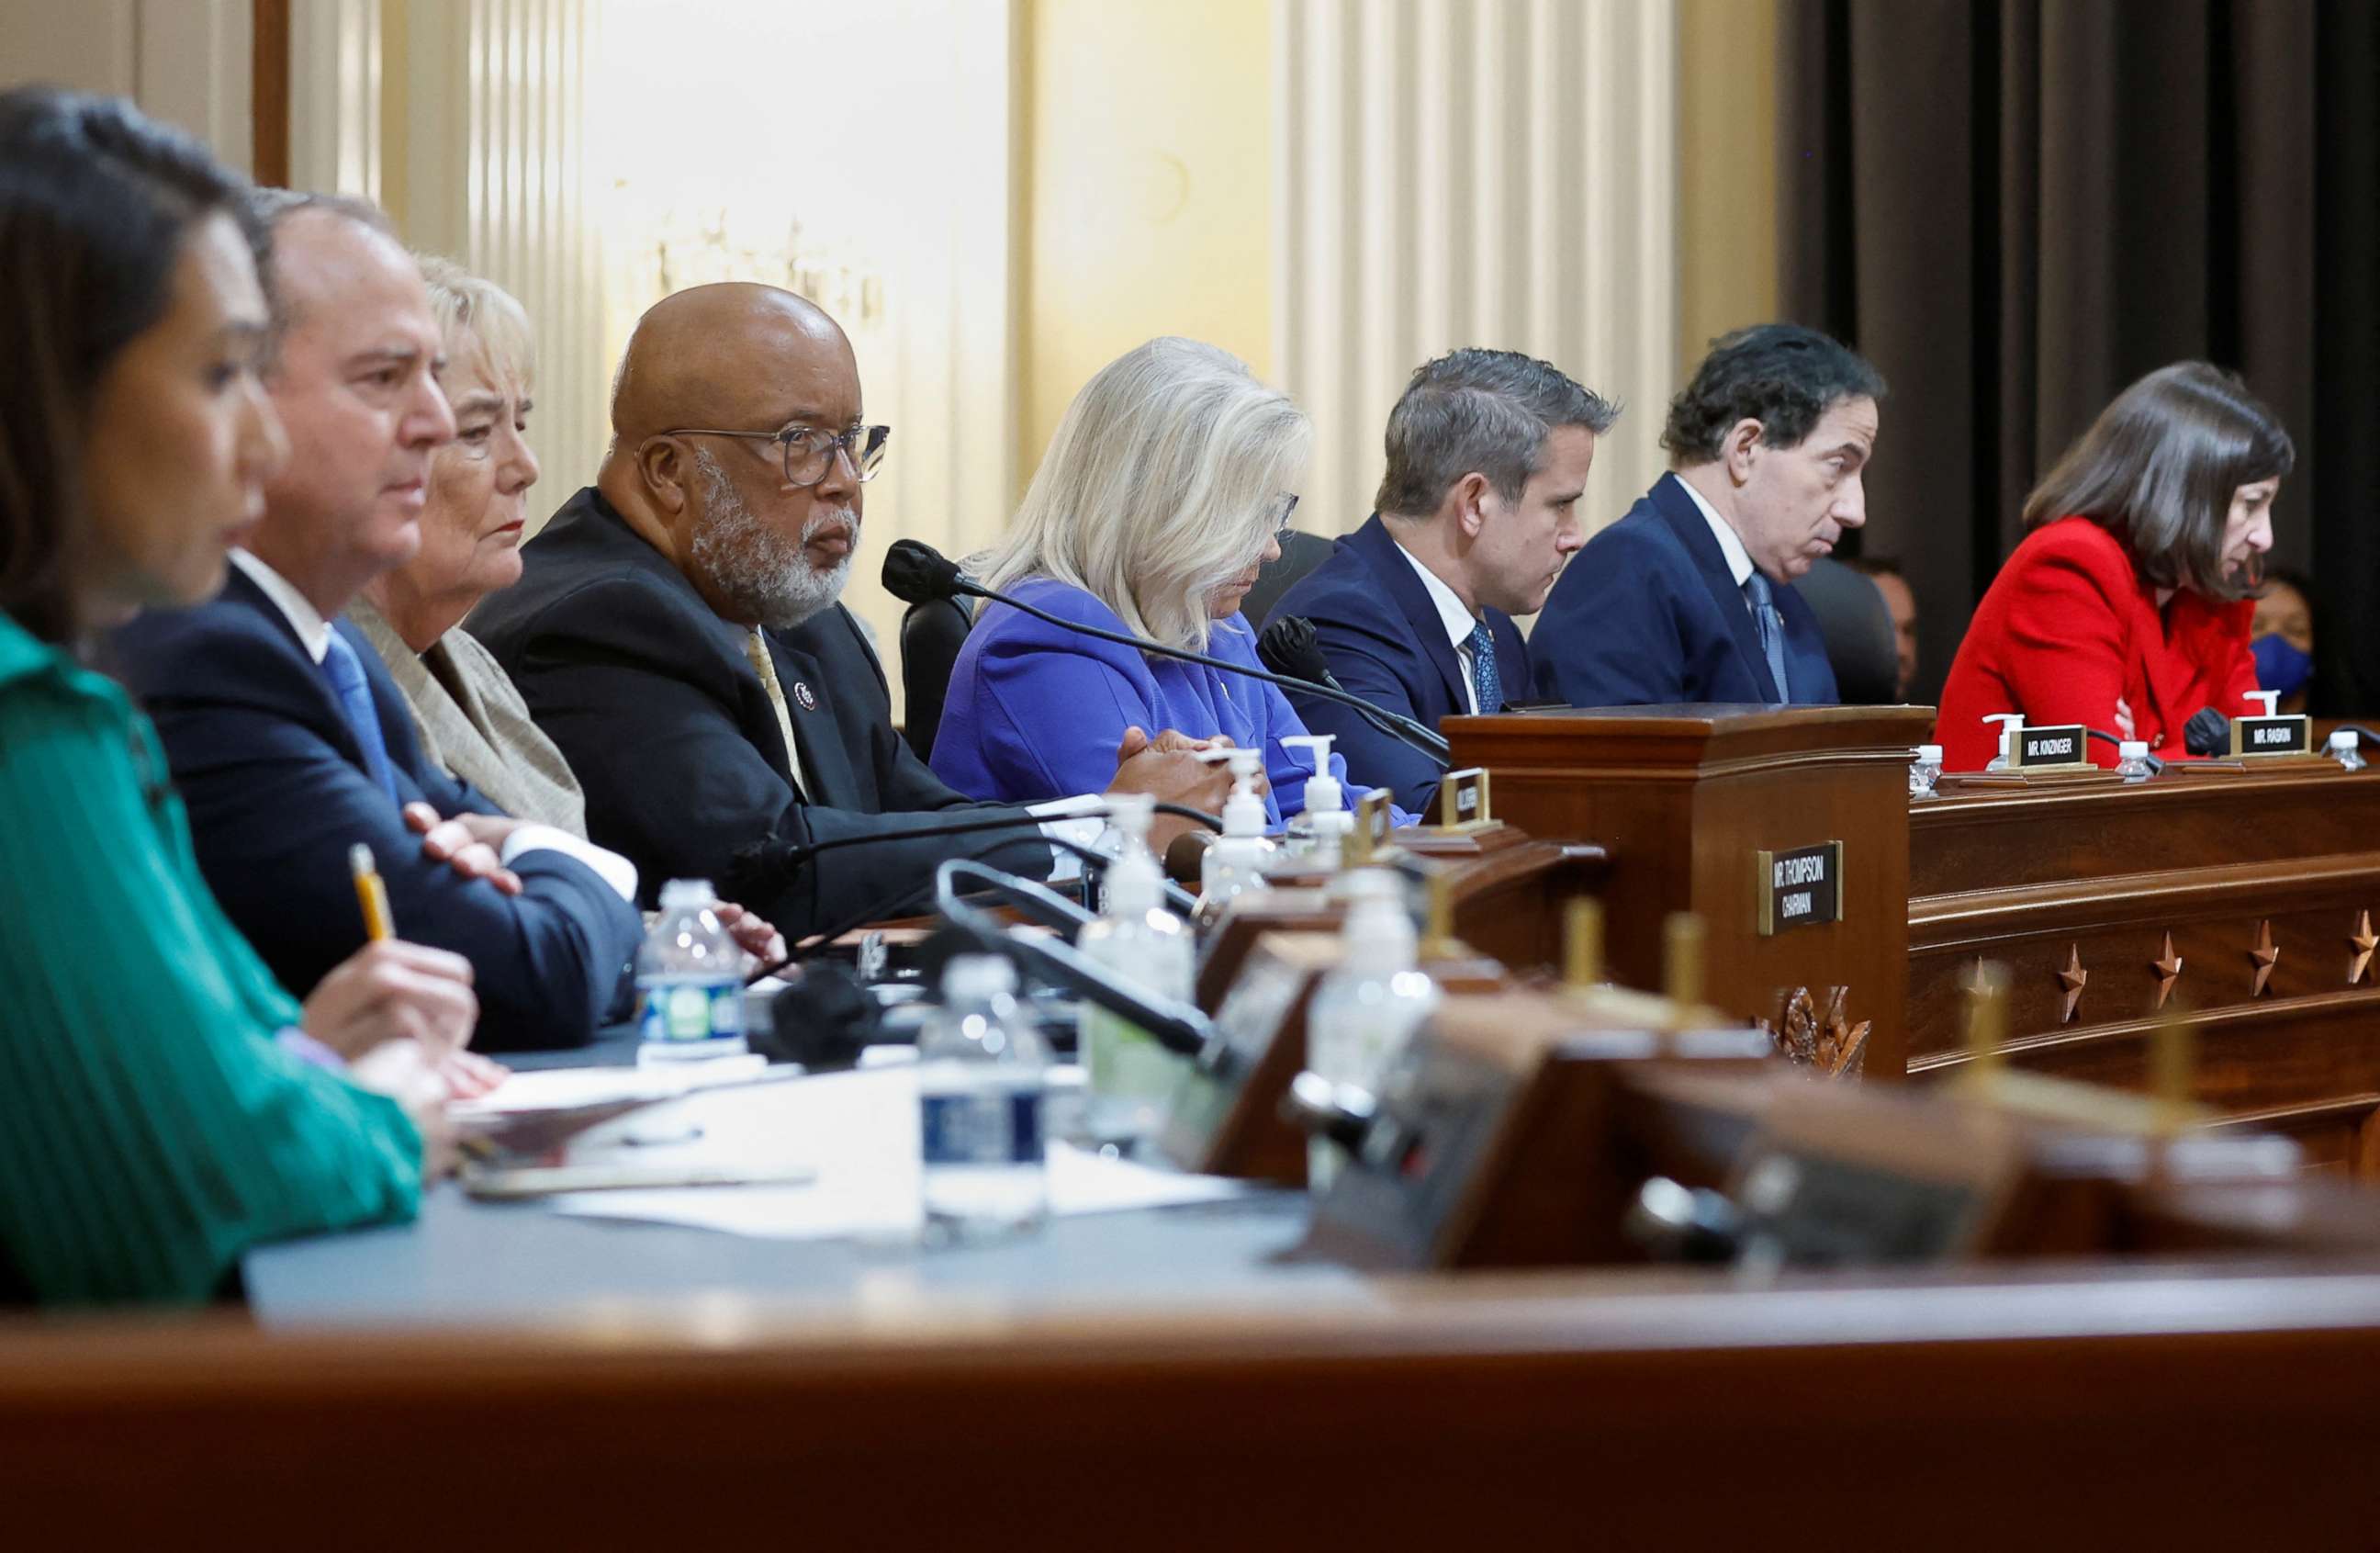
(677, 631)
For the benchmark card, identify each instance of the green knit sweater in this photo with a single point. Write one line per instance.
(151, 1126)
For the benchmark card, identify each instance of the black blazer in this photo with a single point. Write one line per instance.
(658, 710)
(1375, 622)
(1648, 615)
(277, 791)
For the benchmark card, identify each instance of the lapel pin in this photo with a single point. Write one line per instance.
(802, 693)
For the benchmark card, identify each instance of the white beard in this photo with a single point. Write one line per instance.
(757, 570)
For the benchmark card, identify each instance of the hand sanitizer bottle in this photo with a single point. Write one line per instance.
(2011, 723)
(1235, 864)
(1128, 1075)
(1370, 1005)
(1318, 836)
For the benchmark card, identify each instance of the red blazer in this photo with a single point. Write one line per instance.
(2069, 633)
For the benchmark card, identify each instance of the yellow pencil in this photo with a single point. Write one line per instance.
(371, 891)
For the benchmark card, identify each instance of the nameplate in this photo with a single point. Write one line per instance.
(2053, 746)
(1462, 798)
(1801, 888)
(1373, 824)
(2272, 735)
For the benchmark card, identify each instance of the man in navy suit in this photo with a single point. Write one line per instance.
(287, 739)
(1487, 456)
(1691, 597)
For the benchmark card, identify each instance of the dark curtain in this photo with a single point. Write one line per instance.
(2016, 208)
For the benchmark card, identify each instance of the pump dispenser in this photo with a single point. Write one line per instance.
(1317, 837)
(1367, 1007)
(2011, 723)
(1235, 863)
(1129, 1076)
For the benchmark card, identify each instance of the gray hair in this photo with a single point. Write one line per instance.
(1163, 481)
(1486, 412)
(466, 304)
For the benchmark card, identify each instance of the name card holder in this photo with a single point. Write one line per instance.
(1462, 800)
(1799, 888)
(2265, 739)
(2051, 747)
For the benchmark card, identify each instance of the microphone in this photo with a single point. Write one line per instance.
(916, 573)
(1290, 646)
(1178, 1027)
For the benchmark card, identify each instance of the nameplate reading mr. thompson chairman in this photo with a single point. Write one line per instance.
(1799, 888)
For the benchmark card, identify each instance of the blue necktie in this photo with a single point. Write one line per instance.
(1486, 684)
(347, 675)
(1771, 626)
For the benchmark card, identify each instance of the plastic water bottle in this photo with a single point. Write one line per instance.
(2133, 761)
(1368, 1008)
(1146, 947)
(1925, 770)
(689, 979)
(2345, 747)
(982, 1093)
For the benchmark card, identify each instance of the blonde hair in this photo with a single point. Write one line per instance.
(462, 301)
(1163, 481)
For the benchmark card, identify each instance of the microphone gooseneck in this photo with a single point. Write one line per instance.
(916, 572)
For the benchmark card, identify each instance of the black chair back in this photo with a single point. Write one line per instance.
(931, 634)
(1858, 629)
(1300, 554)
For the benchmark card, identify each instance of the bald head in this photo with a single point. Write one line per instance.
(735, 355)
(710, 378)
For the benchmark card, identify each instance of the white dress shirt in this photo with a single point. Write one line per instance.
(1730, 543)
(314, 632)
(1453, 613)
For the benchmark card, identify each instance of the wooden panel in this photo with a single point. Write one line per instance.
(269, 88)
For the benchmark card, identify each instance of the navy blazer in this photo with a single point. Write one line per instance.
(1648, 615)
(1375, 621)
(277, 791)
(655, 704)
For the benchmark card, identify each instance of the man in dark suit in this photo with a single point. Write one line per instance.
(287, 739)
(1487, 456)
(677, 632)
(1691, 597)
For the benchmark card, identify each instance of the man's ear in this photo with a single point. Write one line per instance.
(1469, 496)
(666, 472)
(1741, 448)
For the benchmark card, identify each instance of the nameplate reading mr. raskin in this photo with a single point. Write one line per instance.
(1799, 888)
(2272, 735)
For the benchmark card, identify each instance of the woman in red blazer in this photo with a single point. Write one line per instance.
(2127, 607)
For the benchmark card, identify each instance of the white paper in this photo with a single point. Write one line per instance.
(566, 1088)
(859, 1130)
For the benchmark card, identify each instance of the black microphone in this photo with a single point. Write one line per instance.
(916, 572)
(2208, 732)
(1290, 646)
(1178, 1027)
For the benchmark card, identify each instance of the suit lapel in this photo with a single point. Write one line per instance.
(827, 778)
(1686, 521)
(1388, 562)
(332, 718)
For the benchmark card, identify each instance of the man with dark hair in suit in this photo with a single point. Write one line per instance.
(1488, 456)
(287, 739)
(676, 632)
(1690, 597)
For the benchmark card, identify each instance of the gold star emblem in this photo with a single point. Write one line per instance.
(2169, 971)
(2363, 942)
(2072, 979)
(2265, 955)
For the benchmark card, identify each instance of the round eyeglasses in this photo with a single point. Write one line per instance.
(809, 450)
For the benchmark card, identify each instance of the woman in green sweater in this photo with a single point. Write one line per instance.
(162, 1105)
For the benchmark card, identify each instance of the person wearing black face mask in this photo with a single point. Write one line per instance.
(2282, 639)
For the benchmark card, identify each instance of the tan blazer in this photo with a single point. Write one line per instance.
(474, 723)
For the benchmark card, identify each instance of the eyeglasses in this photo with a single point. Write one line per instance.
(809, 450)
(1282, 528)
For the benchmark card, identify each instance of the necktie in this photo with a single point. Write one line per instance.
(1486, 684)
(1771, 626)
(756, 647)
(346, 671)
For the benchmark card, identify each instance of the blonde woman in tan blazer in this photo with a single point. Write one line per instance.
(472, 720)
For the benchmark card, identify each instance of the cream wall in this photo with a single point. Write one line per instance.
(1148, 128)
(184, 61)
(1727, 170)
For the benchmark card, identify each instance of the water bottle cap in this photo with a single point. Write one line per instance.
(679, 892)
(2133, 750)
(971, 976)
(1929, 753)
(2344, 738)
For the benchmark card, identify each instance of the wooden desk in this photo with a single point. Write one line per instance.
(2081, 889)
(1684, 797)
